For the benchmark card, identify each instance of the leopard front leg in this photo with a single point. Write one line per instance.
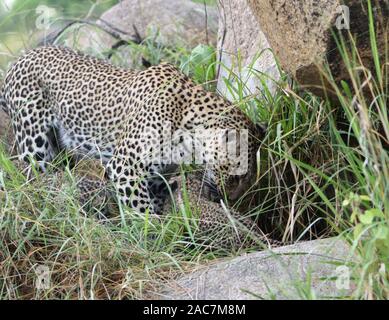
(160, 189)
(130, 182)
(139, 159)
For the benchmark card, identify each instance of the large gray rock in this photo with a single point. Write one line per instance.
(178, 21)
(94, 41)
(300, 33)
(291, 272)
(171, 23)
(243, 50)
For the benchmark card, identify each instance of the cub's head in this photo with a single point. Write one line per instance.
(234, 171)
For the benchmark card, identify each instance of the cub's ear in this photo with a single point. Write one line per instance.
(261, 128)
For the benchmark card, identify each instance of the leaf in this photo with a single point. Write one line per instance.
(346, 88)
(366, 218)
(202, 54)
(369, 215)
(382, 232)
(375, 212)
(365, 198)
(200, 64)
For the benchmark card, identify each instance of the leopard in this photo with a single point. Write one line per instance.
(60, 99)
(214, 226)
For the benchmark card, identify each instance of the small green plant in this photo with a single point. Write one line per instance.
(200, 64)
(370, 236)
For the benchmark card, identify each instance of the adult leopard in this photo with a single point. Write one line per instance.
(59, 99)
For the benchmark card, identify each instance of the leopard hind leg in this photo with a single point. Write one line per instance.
(35, 133)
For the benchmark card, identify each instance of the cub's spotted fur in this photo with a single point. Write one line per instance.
(217, 226)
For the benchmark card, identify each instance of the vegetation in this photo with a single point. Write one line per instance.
(317, 177)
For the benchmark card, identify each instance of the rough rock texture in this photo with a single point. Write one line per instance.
(299, 32)
(282, 271)
(98, 43)
(244, 49)
(176, 20)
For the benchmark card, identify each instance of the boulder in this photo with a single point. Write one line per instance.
(97, 42)
(244, 52)
(300, 33)
(173, 23)
(315, 269)
(176, 21)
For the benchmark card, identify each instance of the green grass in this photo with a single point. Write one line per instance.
(128, 256)
(316, 178)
